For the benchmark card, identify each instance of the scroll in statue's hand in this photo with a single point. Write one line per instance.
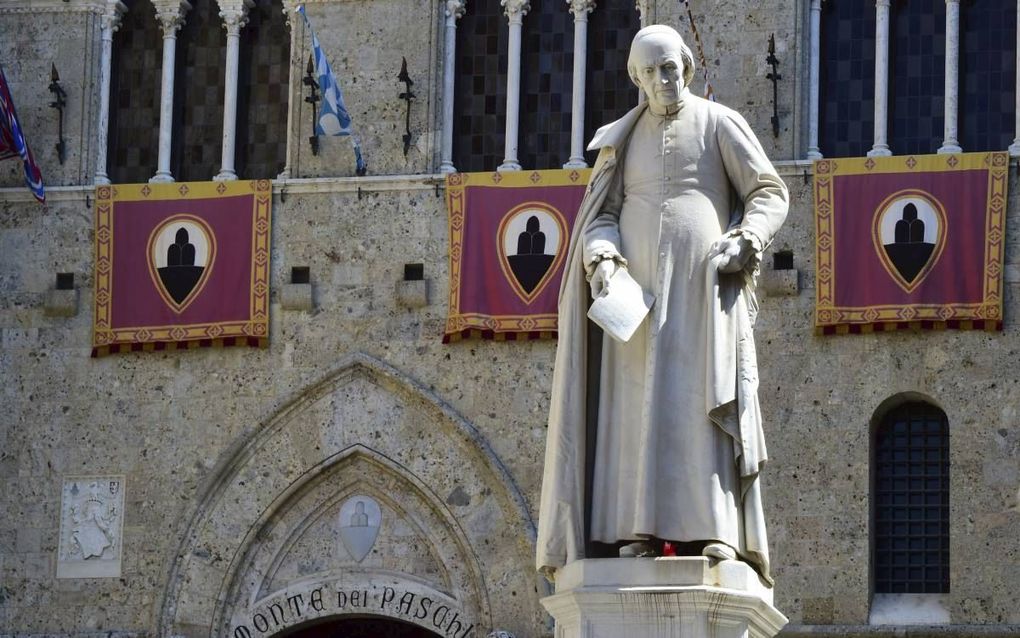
(604, 271)
(733, 251)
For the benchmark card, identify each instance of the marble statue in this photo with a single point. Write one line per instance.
(684, 199)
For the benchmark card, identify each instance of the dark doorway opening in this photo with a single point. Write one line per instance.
(358, 627)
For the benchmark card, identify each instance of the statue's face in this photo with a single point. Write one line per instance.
(660, 70)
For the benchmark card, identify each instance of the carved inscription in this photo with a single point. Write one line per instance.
(437, 615)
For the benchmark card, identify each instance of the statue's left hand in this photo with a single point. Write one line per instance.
(734, 251)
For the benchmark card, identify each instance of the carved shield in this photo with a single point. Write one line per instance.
(359, 521)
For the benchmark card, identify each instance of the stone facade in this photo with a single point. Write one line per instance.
(236, 462)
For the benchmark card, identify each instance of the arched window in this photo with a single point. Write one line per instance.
(134, 95)
(198, 94)
(480, 120)
(847, 105)
(910, 501)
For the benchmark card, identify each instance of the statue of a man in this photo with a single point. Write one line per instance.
(682, 197)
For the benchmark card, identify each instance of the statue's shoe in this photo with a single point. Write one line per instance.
(638, 549)
(720, 551)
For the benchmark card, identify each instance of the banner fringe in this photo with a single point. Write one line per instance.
(987, 325)
(171, 346)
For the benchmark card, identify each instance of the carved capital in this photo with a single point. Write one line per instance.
(882, 3)
(235, 14)
(515, 8)
(644, 8)
(111, 16)
(581, 8)
(455, 8)
(170, 14)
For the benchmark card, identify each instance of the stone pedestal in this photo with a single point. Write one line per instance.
(682, 597)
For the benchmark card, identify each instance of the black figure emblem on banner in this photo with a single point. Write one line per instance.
(531, 238)
(180, 253)
(910, 233)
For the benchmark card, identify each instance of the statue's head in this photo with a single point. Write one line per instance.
(661, 64)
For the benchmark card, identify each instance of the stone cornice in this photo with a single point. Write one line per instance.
(286, 187)
(53, 6)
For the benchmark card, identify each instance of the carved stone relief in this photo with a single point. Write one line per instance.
(91, 527)
(360, 518)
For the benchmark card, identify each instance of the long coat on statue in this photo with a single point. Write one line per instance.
(682, 394)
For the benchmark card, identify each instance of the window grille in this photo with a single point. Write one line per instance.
(911, 501)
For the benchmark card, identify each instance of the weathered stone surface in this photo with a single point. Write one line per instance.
(296, 297)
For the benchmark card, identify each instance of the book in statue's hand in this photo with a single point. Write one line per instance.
(621, 307)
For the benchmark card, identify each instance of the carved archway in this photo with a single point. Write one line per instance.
(456, 542)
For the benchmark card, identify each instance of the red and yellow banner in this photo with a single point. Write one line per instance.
(910, 242)
(181, 265)
(508, 238)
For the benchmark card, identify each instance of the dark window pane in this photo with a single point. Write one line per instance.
(847, 93)
(134, 95)
(987, 74)
(263, 92)
(198, 94)
(610, 91)
(480, 95)
(547, 67)
(916, 76)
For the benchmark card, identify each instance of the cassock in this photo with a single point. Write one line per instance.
(679, 439)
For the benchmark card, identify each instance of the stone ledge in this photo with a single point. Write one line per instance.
(897, 631)
(297, 297)
(413, 294)
(61, 303)
(780, 283)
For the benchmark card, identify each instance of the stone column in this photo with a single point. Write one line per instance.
(515, 12)
(580, 9)
(950, 142)
(881, 145)
(1014, 148)
(293, 84)
(110, 20)
(662, 598)
(814, 81)
(170, 14)
(454, 10)
(235, 16)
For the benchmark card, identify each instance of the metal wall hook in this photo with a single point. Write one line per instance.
(313, 99)
(59, 102)
(407, 96)
(775, 77)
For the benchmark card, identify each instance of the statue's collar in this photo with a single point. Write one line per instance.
(616, 133)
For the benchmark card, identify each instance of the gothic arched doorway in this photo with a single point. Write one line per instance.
(359, 627)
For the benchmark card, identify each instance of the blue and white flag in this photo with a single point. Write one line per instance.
(333, 116)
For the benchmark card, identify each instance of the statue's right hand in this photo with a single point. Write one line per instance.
(600, 277)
